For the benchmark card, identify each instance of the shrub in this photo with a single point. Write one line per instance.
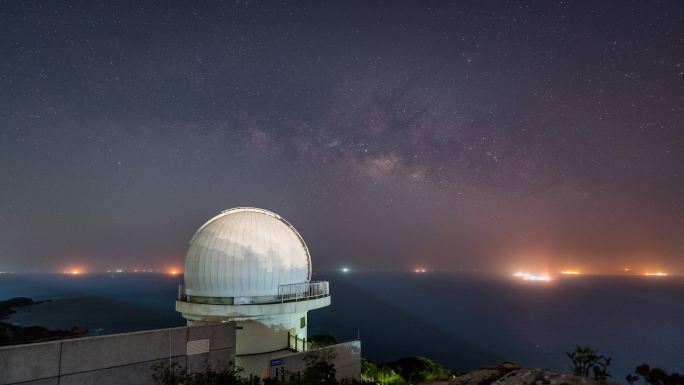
(321, 340)
(171, 373)
(656, 376)
(377, 374)
(168, 373)
(586, 360)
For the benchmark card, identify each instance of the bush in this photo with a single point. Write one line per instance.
(655, 376)
(586, 360)
(321, 340)
(168, 373)
(165, 373)
(415, 370)
(409, 370)
(377, 374)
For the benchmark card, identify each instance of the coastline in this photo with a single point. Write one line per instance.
(11, 334)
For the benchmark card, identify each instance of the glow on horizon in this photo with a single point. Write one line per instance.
(656, 274)
(420, 270)
(74, 271)
(570, 272)
(532, 277)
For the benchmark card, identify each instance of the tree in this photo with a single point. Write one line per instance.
(320, 368)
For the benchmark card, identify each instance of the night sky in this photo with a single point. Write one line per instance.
(494, 135)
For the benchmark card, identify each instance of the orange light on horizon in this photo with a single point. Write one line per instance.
(570, 272)
(656, 274)
(420, 270)
(73, 272)
(532, 277)
(174, 272)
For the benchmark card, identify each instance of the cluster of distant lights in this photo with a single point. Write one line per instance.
(547, 277)
(532, 277)
(525, 276)
(78, 271)
(418, 270)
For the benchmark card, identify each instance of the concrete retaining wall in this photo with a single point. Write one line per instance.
(119, 358)
(346, 357)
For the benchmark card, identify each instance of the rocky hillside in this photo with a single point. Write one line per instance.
(12, 334)
(509, 373)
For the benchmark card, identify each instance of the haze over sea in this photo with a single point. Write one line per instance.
(461, 321)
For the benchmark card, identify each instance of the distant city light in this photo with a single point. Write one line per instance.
(570, 272)
(532, 277)
(345, 269)
(537, 278)
(73, 272)
(174, 272)
(656, 274)
(420, 270)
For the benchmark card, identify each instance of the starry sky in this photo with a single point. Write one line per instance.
(489, 135)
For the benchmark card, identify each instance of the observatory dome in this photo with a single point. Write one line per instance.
(245, 252)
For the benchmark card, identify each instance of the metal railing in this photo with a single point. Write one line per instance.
(305, 290)
(297, 344)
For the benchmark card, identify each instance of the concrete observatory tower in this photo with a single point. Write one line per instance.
(250, 266)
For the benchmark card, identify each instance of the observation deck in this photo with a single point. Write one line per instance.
(291, 298)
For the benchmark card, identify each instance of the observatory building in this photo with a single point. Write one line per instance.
(250, 266)
(246, 295)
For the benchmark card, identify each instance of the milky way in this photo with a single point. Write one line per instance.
(450, 135)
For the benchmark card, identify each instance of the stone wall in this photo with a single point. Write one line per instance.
(119, 358)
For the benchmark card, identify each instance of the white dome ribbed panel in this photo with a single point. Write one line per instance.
(245, 252)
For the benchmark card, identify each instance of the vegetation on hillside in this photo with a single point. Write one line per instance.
(654, 376)
(319, 370)
(406, 371)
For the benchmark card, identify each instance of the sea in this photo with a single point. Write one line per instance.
(462, 321)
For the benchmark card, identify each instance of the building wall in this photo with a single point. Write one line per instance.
(346, 357)
(119, 358)
(269, 334)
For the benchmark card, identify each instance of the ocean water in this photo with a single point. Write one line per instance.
(461, 321)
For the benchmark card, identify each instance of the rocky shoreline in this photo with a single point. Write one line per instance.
(13, 334)
(509, 373)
